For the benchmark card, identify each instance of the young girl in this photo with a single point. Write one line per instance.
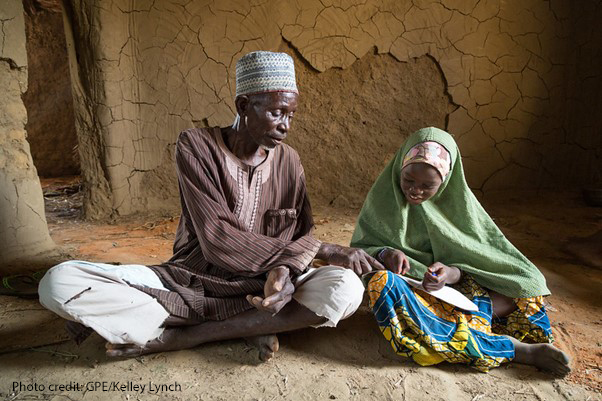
(421, 219)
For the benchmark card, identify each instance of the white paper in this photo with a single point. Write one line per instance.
(447, 294)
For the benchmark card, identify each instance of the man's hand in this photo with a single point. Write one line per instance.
(396, 261)
(351, 258)
(278, 291)
(438, 274)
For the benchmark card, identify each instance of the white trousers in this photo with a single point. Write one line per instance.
(98, 296)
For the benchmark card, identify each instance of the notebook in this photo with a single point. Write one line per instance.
(447, 294)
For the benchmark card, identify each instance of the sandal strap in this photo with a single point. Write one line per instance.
(5, 283)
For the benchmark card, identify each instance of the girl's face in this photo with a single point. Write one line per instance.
(419, 182)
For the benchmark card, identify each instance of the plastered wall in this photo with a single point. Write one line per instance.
(23, 230)
(509, 79)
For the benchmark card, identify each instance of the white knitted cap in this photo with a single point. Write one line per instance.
(261, 71)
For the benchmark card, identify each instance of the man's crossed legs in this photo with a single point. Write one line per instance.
(133, 323)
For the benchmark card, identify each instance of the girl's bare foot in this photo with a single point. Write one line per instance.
(543, 356)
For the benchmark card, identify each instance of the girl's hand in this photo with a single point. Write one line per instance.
(396, 261)
(435, 277)
(438, 274)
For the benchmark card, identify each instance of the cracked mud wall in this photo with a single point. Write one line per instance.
(86, 68)
(502, 77)
(23, 229)
(49, 101)
(350, 122)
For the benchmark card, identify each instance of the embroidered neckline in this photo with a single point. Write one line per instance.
(249, 191)
(217, 134)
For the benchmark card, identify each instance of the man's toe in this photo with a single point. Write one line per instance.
(266, 354)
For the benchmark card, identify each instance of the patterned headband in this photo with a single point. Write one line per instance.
(431, 153)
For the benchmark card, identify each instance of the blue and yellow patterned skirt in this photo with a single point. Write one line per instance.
(431, 331)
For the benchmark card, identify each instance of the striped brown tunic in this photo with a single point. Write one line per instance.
(238, 222)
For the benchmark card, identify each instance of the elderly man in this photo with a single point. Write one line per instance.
(242, 248)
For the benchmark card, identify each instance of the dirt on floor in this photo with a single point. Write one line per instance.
(350, 362)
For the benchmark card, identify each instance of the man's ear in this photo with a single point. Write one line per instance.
(242, 104)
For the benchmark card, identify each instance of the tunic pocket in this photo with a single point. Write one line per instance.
(280, 223)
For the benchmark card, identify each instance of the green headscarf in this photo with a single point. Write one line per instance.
(451, 227)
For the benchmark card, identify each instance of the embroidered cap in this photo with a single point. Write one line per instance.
(261, 71)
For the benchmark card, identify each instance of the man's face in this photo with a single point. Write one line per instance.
(419, 182)
(269, 116)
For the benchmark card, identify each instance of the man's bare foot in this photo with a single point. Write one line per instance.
(172, 340)
(543, 356)
(168, 341)
(267, 345)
